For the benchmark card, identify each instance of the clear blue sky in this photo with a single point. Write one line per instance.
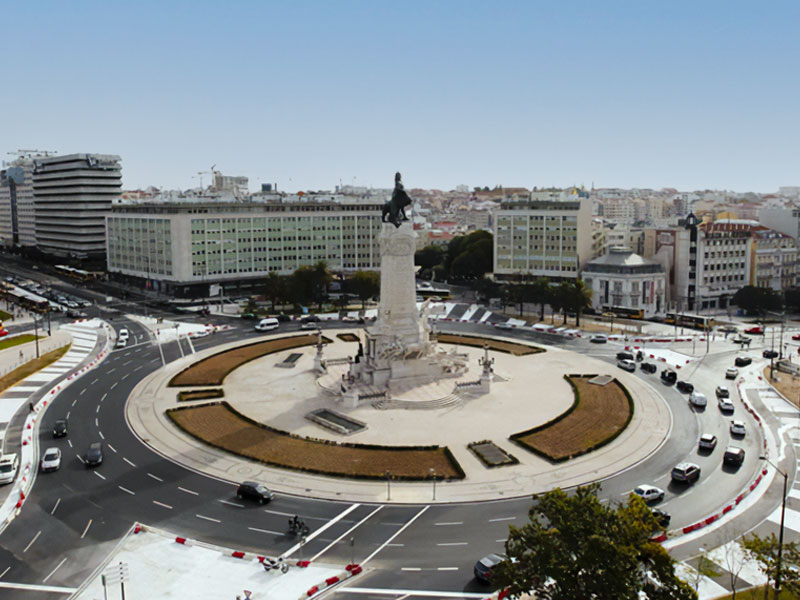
(633, 94)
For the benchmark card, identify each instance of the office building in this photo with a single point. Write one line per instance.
(72, 194)
(17, 213)
(183, 248)
(623, 279)
(774, 259)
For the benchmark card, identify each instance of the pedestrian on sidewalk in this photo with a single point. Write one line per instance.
(30, 405)
(21, 355)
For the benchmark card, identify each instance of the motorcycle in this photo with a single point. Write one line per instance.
(298, 527)
(275, 564)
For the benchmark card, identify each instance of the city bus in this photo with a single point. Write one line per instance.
(624, 313)
(426, 290)
(73, 273)
(693, 321)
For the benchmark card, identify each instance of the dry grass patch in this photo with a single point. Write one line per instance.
(597, 416)
(17, 340)
(221, 426)
(186, 396)
(348, 337)
(30, 367)
(478, 342)
(214, 369)
(786, 383)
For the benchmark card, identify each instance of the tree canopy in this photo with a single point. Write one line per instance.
(364, 284)
(757, 300)
(470, 256)
(576, 548)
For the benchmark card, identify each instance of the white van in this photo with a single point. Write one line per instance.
(267, 324)
(9, 464)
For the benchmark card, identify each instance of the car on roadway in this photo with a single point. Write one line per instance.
(9, 465)
(94, 455)
(796, 337)
(60, 428)
(598, 339)
(728, 329)
(742, 361)
(624, 355)
(770, 354)
(734, 456)
(648, 367)
(708, 441)
(248, 316)
(698, 399)
(684, 387)
(310, 325)
(725, 405)
(253, 490)
(685, 472)
(267, 324)
(3, 332)
(649, 493)
(669, 376)
(310, 319)
(51, 460)
(123, 334)
(723, 392)
(503, 325)
(483, 568)
(757, 330)
(627, 365)
(121, 343)
(283, 318)
(731, 373)
(738, 428)
(662, 518)
(742, 340)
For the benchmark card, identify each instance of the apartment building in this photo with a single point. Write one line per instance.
(17, 211)
(72, 194)
(183, 248)
(543, 237)
(773, 262)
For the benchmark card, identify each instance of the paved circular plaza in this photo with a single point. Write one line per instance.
(526, 391)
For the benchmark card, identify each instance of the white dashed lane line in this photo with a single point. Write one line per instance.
(70, 443)
(74, 401)
(502, 519)
(96, 423)
(192, 492)
(228, 502)
(94, 381)
(100, 475)
(68, 412)
(452, 544)
(208, 518)
(100, 433)
(110, 447)
(126, 490)
(58, 566)
(4, 572)
(155, 477)
(111, 370)
(97, 410)
(56, 506)
(450, 523)
(129, 462)
(113, 386)
(103, 397)
(162, 504)
(83, 391)
(267, 531)
(38, 533)
(85, 531)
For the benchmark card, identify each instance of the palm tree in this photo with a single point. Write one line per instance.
(580, 299)
(541, 293)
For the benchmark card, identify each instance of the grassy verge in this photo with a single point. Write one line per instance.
(597, 416)
(219, 425)
(4, 316)
(16, 341)
(757, 593)
(31, 367)
(786, 383)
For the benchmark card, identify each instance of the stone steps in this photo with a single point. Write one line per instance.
(397, 403)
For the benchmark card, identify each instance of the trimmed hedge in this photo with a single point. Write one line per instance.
(187, 395)
(213, 369)
(246, 437)
(524, 438)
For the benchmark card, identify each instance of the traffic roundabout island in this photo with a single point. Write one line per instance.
(515, 420)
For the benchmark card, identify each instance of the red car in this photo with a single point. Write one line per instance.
(755, 330)
(3, 332)
(796, 337)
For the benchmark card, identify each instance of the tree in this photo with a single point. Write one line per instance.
(274, 288)
(428, 258)
(310, 284)
(579, 298)
(487, 288)
(364, 284)
(541, 293)
(469, 256)
(576, 548)
(765, 552)
(560, 299)
(757, 300)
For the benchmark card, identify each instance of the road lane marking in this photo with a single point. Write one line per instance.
(500, 541)
(137, 368)
(316, 533)
(97, 410)
(156, 478)
(89, 524)
(126, 490)
(124, 377)
(36, 588)
(447, 568)
(74, 401)
(266, 531)
(100, 433)
(188, 491)
(83, 391)
(114, 450)
(232, 503)
(111, 371)
(452, 544)
(101, 476)
(104, 396)
(93, 381)
(69, 411)
(38, 533)
(208, 518)
(345, 534)
(450, 523)
(396, 533)
(127, 362)
(70, 443)
(162, 504)
(63, 560)
(113, 386)
(56, 506)
(502, 519)
(4, 572)
(411, 568)
(96, 422)
(129, 462)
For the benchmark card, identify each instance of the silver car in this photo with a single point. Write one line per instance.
(51, 460)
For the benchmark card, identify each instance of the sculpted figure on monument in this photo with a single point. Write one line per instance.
(394, 209)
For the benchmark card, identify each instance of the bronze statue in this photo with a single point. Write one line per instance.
(395, 208)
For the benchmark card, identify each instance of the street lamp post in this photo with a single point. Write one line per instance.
(780, 534)
(388, 485)
(433, 476)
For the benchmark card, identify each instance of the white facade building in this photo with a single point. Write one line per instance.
(623, 279)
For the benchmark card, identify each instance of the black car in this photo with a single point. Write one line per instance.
(662, 518)
(769, 354)
(283, 318)
(648, 367)
(668, 376)
(624, 356)
(94, 455)
(253, 491)
(309, 319)
(742, 361)
(248, 316)
(483, 568)
(60, 428)
(733, 456)
(685, 387)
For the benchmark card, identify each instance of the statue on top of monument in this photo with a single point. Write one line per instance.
(395, 208)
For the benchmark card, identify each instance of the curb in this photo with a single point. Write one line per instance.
(350, 571)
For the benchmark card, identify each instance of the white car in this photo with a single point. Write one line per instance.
(51, 460)
(732, 373)
(123, 334)
(598, 339)
(121, 343)
(627, 365)
(737, 428)
(698, 399)
(725, 405)
(649, 493)
(707, 442)
(9, 464)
